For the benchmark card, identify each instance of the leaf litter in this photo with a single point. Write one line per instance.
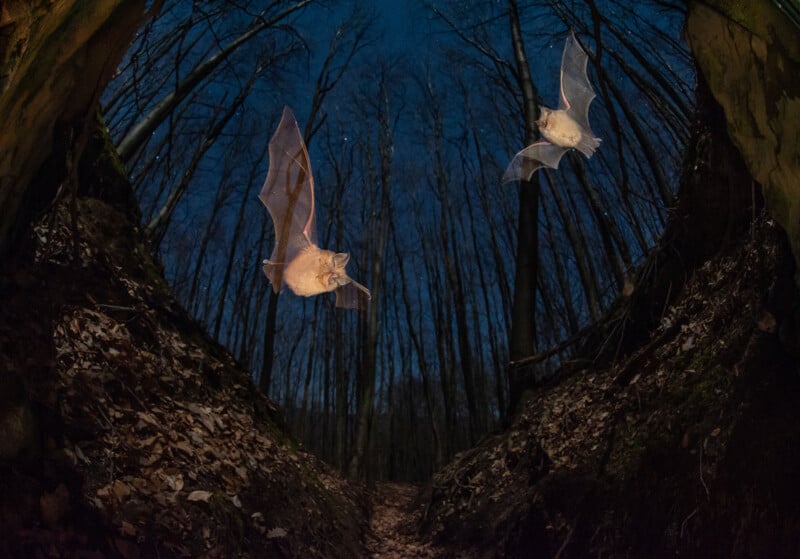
(162, 434)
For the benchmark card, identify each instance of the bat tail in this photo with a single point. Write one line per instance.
(588, 145)
(274, 273)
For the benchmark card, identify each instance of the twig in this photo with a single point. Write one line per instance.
(708, 494)
(629, 370)
(687, 519)
(566, 541)
(538, 357)
(116, 307)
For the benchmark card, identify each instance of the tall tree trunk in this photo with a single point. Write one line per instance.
(341, 393)
(415, 333)
(367, 377)
(522, 341)
(302, 419)
(269, 343)
(452, 274)
(341, 377)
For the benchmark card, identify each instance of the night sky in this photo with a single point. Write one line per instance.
(454, 122)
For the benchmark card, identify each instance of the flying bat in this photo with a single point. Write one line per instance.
(564, 128)
(288, 193)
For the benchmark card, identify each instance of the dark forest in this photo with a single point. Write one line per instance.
(477, 331)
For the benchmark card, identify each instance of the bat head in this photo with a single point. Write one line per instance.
(544, 118)
(333, 273)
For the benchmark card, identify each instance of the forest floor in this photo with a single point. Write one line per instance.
(133, 435)
(687, 446)
(394, 523)
(126, 432)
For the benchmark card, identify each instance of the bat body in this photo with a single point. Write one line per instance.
(288, 193)
(564, 128)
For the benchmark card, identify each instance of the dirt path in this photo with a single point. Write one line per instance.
(393, 524)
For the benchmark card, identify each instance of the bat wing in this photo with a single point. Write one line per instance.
(353, 296)
(288, 194)
(540, 154)
(576, 91)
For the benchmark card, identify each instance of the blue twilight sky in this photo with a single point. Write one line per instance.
(482, 129)
(404, 32)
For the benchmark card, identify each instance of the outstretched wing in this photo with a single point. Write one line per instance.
(525, 163)
(576, 91)
(288, 194)
(353, 296)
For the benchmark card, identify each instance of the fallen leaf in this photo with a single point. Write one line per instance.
(120, 490)
(149, 419)
(200, 496)
(148, 441)
(127, 529)
(155, 455)
(276, 533)
(184, 447)
(175, 482)
(242, 472)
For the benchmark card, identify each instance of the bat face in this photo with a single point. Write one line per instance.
(288, 193)
(559, 128)
(314, 271)
(564, 128)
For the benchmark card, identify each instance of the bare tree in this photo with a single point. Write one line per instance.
(523, 314)
(157, 226)
(134, 139)
(383, 111)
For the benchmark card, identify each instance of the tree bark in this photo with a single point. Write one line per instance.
(75, 65)
(522, 340)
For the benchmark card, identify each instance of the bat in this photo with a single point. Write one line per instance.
(288, 193)
(564, 128)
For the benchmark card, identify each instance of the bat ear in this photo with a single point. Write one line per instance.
(542, 122)
(340, 259)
